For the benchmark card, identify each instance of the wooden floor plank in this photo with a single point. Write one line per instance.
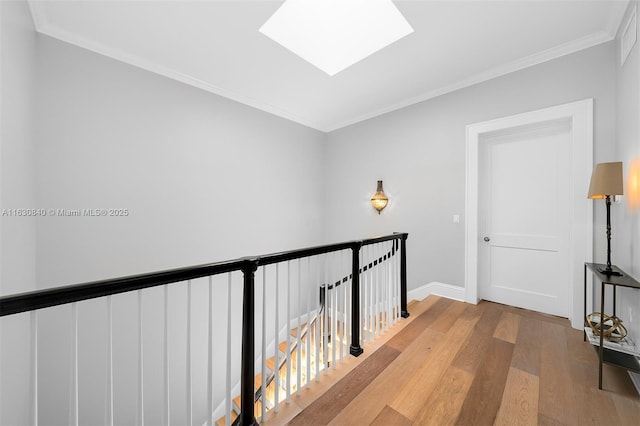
(507, 328)
(473, 352)
(527, 314)
(390, 417)
(491, 314)
(548, 421)
(596, 407)
(325, 408)
(485, 394)
(526, 353)
(556, 390)
(447, 398)
(409, 400)
(519, 404)
(448, 317)
(627, 408)
(365, 407)
(424, 320)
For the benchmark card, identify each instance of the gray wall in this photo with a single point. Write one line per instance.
(419, 152)
(626, 216)
(202, 178)
(17, 191)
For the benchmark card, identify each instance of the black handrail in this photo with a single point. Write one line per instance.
(24, 302)
(370, 265)
(39, 299)
(29, 301)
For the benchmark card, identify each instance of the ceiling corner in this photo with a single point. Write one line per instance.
(38, 14)
(618, 13)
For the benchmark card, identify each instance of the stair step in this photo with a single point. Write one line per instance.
(271, 363)
(258, 381)
(303, 330)
(257, 411)
(222, 420)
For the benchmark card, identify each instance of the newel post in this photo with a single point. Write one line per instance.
(355, 349)
(403, 276)
(247, 416)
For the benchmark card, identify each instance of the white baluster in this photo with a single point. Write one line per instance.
(369, 294)
(381, 301)
(387, 290)
(308, 344)
(340, 303)
(275, 349)
(210, 357)
(189, 369)
(288, 359)
(73, 412)
(167, 394)
(325, 317)
(228, 399)
(34, 367)
(109, 379)
(298, 337)
(263, 374)
(368, 288)
(317, 336)
(334, 312)
(392, 272)
(347, 304)
(140, 362)
(374, 291)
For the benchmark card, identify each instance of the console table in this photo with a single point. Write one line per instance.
(609, 355)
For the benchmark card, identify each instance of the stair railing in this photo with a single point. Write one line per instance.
(349, 314)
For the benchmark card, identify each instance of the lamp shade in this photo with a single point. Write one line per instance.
(606, 180)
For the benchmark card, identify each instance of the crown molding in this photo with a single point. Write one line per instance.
(616, 17)
(42, 25)
(517, 65)
(38, 14)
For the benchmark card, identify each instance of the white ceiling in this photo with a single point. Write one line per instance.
(216, 46)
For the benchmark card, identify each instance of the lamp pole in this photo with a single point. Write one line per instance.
(608, 270)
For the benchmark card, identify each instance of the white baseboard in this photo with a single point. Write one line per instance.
(439, 289)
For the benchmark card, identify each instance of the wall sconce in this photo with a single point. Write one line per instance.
(379, 200)
(606, 182)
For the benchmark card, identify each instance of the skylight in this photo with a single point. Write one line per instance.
(335, 34)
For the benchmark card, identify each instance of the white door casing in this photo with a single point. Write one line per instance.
(579, 119)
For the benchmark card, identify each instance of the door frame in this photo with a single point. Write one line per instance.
(580, 114)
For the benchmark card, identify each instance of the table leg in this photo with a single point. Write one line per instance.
(584, 306)
(601, 349)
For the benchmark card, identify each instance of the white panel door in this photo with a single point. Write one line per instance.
(524, 214)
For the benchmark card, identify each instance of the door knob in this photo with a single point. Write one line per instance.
(487, 239)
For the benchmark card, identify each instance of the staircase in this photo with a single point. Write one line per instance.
(312, 362)
(278, 386)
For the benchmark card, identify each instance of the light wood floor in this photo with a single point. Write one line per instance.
(456, 363)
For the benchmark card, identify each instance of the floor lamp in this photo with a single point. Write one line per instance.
(606, 181)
